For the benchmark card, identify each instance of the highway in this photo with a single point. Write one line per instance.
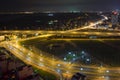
(56, 66)
(30, 58)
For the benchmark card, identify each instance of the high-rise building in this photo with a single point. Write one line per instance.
(114, 18)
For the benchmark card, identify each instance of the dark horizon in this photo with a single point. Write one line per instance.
(54, 5)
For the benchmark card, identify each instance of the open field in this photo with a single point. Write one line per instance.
(105, 51)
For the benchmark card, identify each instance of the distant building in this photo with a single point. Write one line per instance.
(114, 19)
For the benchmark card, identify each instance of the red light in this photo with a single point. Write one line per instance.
(115, 13)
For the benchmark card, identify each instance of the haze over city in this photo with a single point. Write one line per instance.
(58, 5)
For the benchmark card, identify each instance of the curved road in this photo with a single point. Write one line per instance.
(58, 67)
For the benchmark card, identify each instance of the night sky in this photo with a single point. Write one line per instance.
(58, 5)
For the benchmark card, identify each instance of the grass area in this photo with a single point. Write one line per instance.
(45, 75)
(50, 46)
(101, 51)
(107, 51)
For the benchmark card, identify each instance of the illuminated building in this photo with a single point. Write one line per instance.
(114, 19)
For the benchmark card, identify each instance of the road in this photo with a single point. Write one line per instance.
(56, 66)
(70, 32)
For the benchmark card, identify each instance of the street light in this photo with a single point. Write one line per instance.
(88, 60)
(107, 71)
(67, 72)
(81, 69)
(58, 65)
(58, 70)
(41, 59)
(69, 53)
(74, 55)
(65, 58)
(40, 64)
(83, 52)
